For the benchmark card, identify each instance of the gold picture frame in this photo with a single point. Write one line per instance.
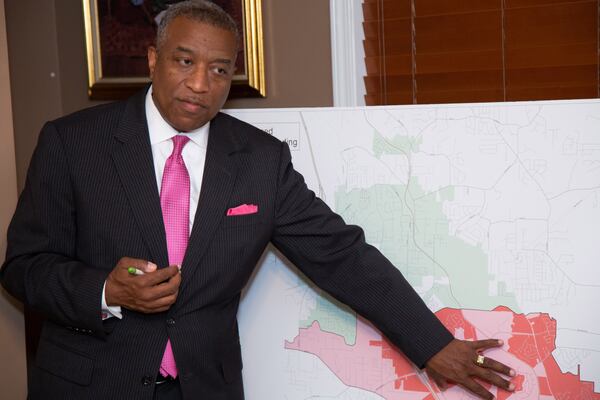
(108, 75)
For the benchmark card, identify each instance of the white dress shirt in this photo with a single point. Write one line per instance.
(194, 155)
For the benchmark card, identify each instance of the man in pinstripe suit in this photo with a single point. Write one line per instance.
(90, 212)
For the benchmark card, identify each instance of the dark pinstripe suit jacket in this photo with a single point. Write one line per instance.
(91, 198)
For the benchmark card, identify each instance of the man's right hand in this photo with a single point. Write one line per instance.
(154, 291)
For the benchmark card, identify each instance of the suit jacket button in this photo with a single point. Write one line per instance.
(147, 380)
(171, 322)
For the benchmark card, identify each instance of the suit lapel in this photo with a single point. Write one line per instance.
(220, 171)
(132, 156)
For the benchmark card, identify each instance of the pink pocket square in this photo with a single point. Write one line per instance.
(243, 209)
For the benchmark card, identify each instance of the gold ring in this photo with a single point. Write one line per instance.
(480, 360)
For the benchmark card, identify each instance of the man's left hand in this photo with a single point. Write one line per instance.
(457, 363)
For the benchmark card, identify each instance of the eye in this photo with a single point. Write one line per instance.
(184, 62)
(220, 70)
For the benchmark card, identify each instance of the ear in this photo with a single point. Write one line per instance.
(152, 58)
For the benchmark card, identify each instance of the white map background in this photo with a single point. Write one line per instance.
(511, 190)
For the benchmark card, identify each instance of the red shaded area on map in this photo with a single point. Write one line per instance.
(405, 372)
(375, 365)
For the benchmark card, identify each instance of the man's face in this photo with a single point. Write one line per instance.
(191, 72)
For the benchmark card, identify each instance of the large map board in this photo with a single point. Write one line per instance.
(491, 211)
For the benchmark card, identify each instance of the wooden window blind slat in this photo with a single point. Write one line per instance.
(398, 34)
(481, 30)
(455, 7)
(552, 56)
(554, 24)
(431, 51)
(390, 9)
(550, 77)
(440, 82)
(508, 4)
(560, 93)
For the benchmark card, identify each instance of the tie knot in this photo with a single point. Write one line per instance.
(178, 142)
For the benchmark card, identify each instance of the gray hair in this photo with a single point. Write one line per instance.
(198, 10)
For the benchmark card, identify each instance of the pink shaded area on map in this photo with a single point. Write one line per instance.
(360, 365)
(375, 365)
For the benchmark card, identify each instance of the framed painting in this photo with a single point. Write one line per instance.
(118, 33)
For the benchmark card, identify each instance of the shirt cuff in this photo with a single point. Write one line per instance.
(109, 311)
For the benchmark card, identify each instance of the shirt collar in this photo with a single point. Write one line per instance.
(160, 130)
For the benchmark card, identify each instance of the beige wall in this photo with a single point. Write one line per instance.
(12, 335)
(33, 57)
(298, 55)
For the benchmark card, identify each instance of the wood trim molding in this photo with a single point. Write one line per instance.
(347, 54)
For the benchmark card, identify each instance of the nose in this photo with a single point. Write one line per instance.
(198, 80)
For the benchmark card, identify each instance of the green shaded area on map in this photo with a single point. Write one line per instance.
(410, 228)
(396, 145)
(333, 317)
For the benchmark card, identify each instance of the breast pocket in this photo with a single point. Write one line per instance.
(242, 220)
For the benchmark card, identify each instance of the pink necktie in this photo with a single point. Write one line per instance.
(175, 204)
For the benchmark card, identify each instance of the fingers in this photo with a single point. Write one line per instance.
(495, 379)
(139, 285)
(497, 366)
(485, 344)
(490, 363)
(484, 370)
(158, 287)
(487, 368)
(152, 287)
(158, 276)
(159, 305)
(458, 363)
(477, 389)
(138, 263)
(149, 267)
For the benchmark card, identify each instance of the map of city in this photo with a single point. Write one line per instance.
(492, 213)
